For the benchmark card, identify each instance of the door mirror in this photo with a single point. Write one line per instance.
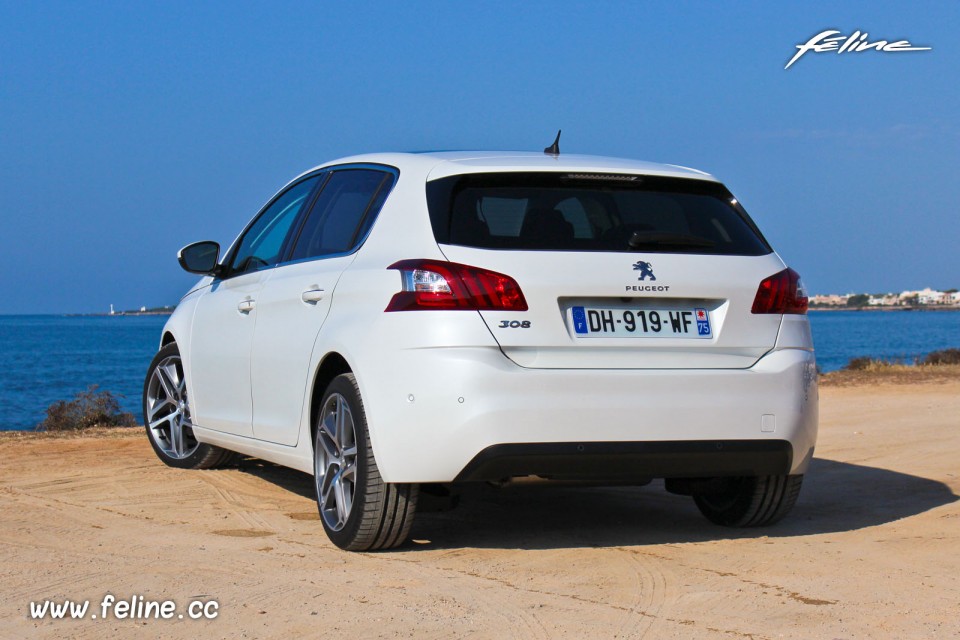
(200, 257)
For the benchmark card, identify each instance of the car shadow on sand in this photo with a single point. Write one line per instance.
(836, 497)
(288, 479)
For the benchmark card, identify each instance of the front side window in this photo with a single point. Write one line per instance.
(262, 242)
(343, 212)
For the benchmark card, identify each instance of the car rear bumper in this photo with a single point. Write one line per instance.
(455, 414)
(630, 461)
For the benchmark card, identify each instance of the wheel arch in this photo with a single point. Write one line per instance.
(332, 365)
(167, 339)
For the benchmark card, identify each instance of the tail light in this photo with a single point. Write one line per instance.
(781, 293)
(434, 284)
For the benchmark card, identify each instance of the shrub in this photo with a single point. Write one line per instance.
(865, 363)
(90, 408)
(946, 356)
(859, 364)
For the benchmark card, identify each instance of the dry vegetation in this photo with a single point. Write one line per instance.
(88, 409)
(939, 366)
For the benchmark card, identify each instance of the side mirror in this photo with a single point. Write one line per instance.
(200, 257)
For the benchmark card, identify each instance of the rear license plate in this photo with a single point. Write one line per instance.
(598, 322)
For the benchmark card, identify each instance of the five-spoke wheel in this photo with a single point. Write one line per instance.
(359, 511)
(166, 414)
(166, 409)
(335, 462)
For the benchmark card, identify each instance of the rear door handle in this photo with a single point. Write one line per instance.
(246, 306)
(312, 295)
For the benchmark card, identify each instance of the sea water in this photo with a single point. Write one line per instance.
(839, 336)
(50, 358)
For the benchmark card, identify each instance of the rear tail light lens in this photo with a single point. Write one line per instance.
(781, 293)
(434, 284)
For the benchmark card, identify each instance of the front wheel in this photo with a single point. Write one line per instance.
(359, 511)
(166, 414)
(749, 501)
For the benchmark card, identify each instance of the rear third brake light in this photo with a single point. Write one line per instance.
(434, 284)
(781, 293)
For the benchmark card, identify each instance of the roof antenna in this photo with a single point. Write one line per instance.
(554, 149)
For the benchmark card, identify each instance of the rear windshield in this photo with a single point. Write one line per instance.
(576, 212)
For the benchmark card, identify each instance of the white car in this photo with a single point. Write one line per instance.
(392, 323)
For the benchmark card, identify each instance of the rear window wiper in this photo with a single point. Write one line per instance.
(654, 239)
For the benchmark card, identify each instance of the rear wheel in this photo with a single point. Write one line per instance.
(166, 414)
(359, 511)
(749, 501)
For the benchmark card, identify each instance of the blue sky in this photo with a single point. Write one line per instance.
(130, 129)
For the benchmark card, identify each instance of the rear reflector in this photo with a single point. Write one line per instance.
(434, 284)
(781, 293)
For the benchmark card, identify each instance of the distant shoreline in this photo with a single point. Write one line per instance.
(118, 314)
(168, 312)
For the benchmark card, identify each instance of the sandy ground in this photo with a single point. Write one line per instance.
(872, 549)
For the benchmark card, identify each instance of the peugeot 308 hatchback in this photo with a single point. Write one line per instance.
(392, 323)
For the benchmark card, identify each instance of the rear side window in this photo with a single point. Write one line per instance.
(574, 212)
(342, 213)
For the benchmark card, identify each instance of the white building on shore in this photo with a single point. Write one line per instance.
(926, 296)
(923, 297)
(884, 300)
(831, 300)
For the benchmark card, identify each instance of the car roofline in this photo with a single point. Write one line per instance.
(438, 164)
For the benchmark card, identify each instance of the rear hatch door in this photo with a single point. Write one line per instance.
(631, 274)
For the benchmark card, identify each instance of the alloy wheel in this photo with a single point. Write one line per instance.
(335, 461)
(168, 411)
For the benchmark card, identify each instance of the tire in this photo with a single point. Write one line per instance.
(166, 415)
(750, 501)
(359, 511)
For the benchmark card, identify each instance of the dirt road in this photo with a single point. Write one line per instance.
(872, 549)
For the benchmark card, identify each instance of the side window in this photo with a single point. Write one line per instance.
(261, 243)
(343, 212)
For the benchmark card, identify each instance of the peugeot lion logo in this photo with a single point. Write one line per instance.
(645, 270)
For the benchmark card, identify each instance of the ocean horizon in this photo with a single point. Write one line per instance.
(53, 357)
